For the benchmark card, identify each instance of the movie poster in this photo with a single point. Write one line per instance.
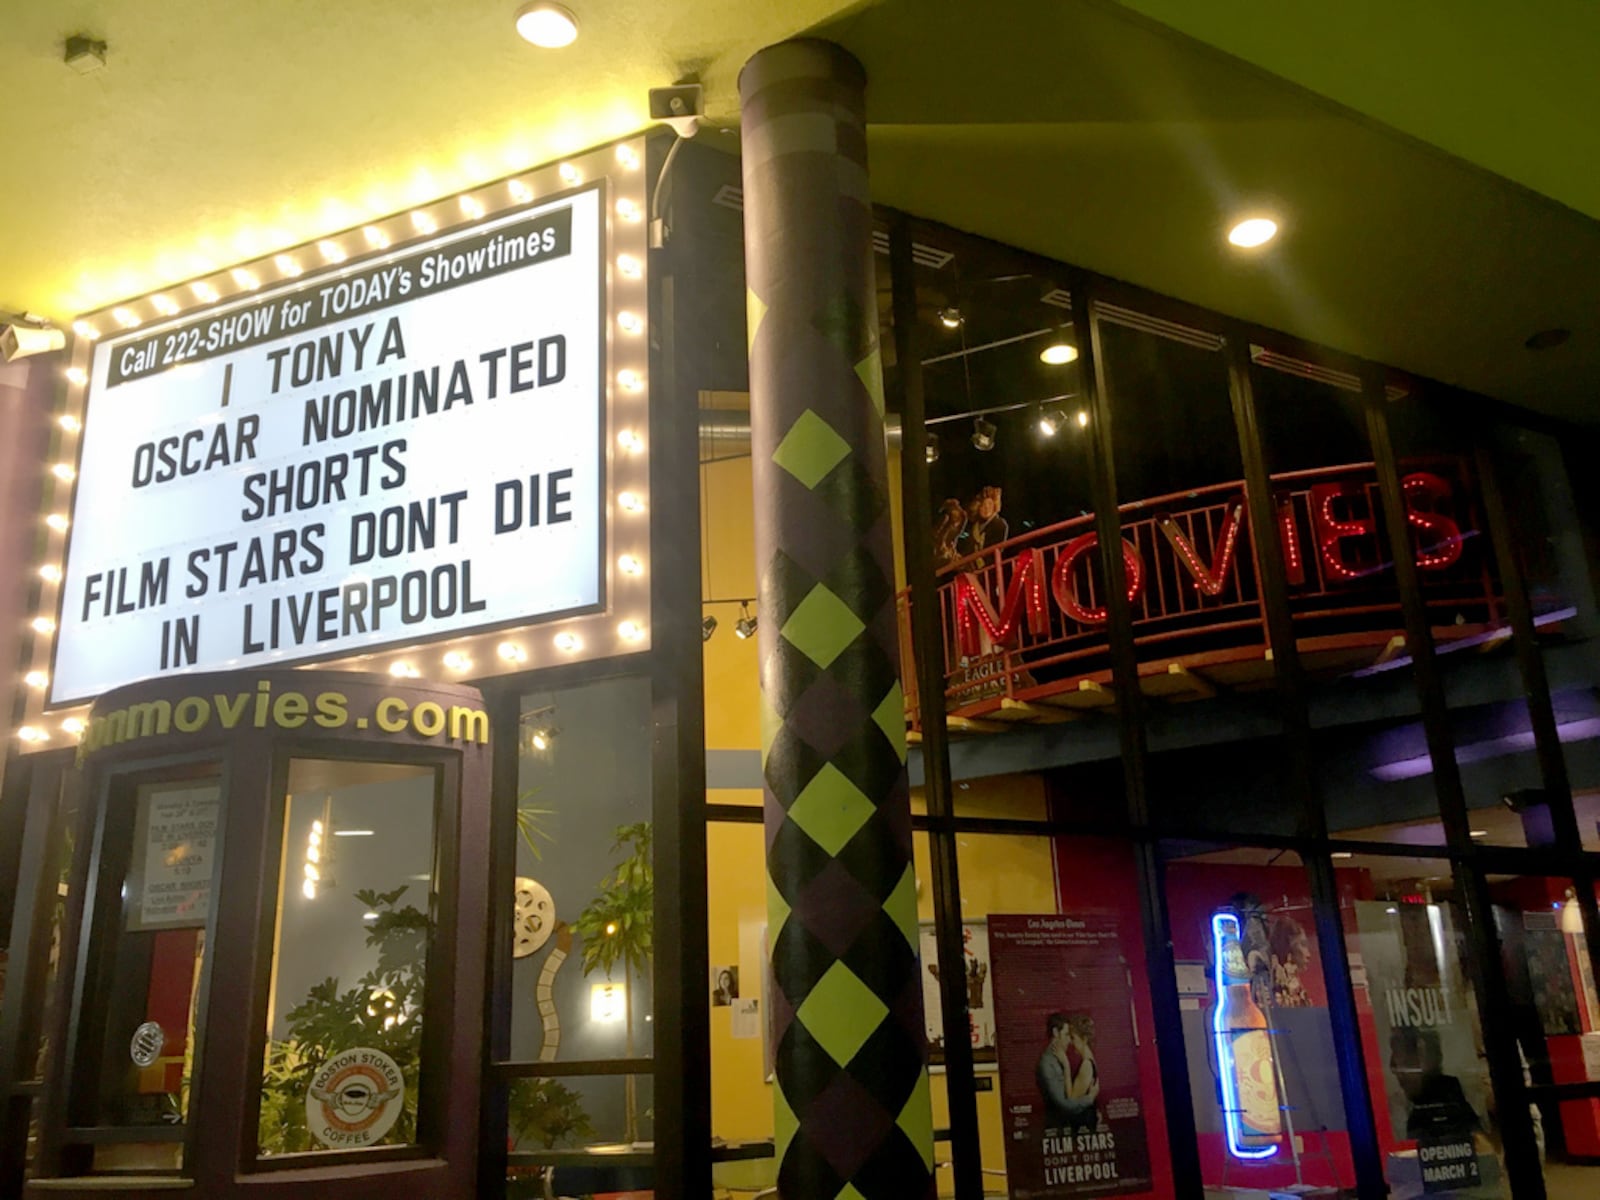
(1069, 1065)
(975, 978)
(1437, 1085)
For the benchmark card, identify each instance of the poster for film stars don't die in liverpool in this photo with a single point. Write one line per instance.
(1069, 1067)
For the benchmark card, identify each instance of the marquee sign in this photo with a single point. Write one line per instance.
(419, 445)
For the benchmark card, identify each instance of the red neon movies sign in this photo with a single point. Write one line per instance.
(1343, 551)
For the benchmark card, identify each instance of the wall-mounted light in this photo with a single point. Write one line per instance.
(607, 1002)
(1058, 354)
(546, 25)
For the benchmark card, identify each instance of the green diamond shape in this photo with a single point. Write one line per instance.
(777, 910)
(916, 1119)
(784, 1123)
(821, 626)
(841, 1013)
(810, 449)
(870, 371)
(902, 908)
(890, 716)
(848, 1192)
(754, 309)
(771, 722)
(830, 809)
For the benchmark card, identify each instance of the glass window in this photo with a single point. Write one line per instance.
(355, 919)
(1421, 1035)
(153, 901)
(1259, 1041)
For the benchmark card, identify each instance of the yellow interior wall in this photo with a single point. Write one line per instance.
(998, 873)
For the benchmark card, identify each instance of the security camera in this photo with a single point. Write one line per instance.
(23, 335)
(681, 107)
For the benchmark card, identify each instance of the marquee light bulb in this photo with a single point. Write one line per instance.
(568, 642)
(630, 564)
(1083, 418)
(629, 266)
(58, 522)
(470, 208)
(73, 726)
(630, 441)
(404, 670)
(85, 330)
(375, 237)
(457, 661)
(64, 472)
(629, 502)
(165, 305)
(630, 380)
(32, 733)
(76, 375)
(203, 292)
(288, 266)
(511, 652)
(36, 679)
(629, 210)
(313, 854)
(126, 318)
(569, 174)
(308, 889)
(316, 828)
(1257, 231)
(630, 631)
(331, 251)
(70, 423)
(520, 192)
(245, 279)
(629, 322)
(50, 573)
(43, 625)
(312, 873)
(422, 222)
(627, 158)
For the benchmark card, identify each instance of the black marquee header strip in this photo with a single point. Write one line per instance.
(443, 264)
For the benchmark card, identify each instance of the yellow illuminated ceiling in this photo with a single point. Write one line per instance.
(1413, 176)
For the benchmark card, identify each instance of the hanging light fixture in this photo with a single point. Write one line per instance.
(931, 450)
(1051, 419)
(982, 434)
(745, 626)
(951, 317)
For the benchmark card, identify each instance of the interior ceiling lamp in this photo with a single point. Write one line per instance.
(982, 434)
(1255, 231)
(951, 318)
(708, 626)
(1051, 419)
(548, 26)
(1058, 354)
(931, 449)
(745, 626)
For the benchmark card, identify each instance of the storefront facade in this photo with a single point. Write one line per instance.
(1277, 842)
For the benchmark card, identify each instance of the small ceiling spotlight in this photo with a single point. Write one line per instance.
(951, 318)
(745, 627)
(1058, 354)
(707, 627)
(982, 434)
(1051, 419)
(1083, 418)
(931, 450)
(1256, 231)
(548, 26)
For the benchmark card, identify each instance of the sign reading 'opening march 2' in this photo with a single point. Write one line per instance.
(370, 456)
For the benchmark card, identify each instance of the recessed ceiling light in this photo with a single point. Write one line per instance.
(1058, 354)
(1257, 231)
(548, 26)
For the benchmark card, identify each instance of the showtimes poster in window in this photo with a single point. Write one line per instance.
(1069, 1065)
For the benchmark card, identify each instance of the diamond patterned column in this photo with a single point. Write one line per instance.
(853, 1117)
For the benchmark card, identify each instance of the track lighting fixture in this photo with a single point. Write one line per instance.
(745, 626)
(931, 452)
(708, 626)
(982, 434)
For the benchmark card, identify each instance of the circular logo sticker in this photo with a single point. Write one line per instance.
(355, 1098)
(146, 1045)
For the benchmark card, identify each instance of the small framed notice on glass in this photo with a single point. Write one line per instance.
(174, 851)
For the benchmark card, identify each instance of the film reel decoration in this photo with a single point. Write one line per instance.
(534, 919)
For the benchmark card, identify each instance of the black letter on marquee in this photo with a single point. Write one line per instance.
(180, 642)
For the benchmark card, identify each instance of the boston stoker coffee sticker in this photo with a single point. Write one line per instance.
(1069, 1070)
(354, 1098)
(358, 459)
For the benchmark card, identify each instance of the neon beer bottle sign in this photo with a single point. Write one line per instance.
(1251, 1112)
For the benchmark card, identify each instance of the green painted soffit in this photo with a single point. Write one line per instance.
(1512, 88)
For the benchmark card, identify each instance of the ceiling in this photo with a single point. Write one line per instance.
(1438, 181)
